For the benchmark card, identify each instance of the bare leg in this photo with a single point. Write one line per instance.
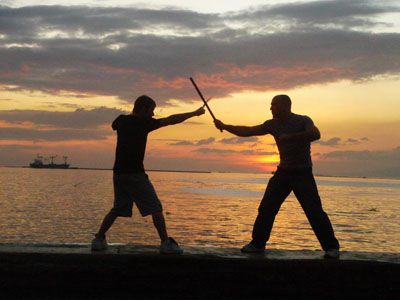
(159, 223)
(107, 222)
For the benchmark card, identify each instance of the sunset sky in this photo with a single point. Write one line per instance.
(66, 71)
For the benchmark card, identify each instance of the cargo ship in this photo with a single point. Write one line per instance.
(39, 163)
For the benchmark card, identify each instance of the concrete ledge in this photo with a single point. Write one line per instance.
(48, 271)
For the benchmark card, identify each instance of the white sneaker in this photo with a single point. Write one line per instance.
(170, 246)
(332, 254)
(99, 243)
(250, 248)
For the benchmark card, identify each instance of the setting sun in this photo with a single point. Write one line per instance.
(339, 74)
(268, 159)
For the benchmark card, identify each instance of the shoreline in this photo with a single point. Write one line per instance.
(209, 172)
(230, 253)
(108, 169)
(72, 271)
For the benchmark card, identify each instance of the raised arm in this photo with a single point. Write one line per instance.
(179, 118)
(241, 130)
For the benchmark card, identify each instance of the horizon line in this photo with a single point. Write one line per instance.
(209, 172)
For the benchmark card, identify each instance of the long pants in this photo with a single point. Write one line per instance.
(302, 183)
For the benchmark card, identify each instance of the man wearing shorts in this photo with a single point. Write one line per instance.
(293, 134)
(131, 183)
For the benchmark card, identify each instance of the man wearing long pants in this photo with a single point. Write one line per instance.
(293, 135)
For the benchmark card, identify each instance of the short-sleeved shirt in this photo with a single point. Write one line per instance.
(293, 155)
(131, 142)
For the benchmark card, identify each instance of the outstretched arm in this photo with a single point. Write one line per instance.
(310, 134)
(179, 118)
(241, 130)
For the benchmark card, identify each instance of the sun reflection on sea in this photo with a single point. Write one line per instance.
(202, 210)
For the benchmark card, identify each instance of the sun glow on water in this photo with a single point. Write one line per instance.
(202, 210)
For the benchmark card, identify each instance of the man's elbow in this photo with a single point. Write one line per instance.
(315, 136)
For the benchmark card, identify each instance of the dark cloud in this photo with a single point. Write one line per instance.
(239, 140)
(16, 147)
(215, 151)
(81, 124)
(230, 151)
(337, 141)
(26, 134)
(384, 163)
(128, 51)
(352, 141)
(208, 141)
(80, 118)
(392, 155)
(201, 142)
(98, 20)
(182, 143)
(355, 141)
(257, 152)
(337, 13)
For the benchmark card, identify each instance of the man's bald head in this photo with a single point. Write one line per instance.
(284, 100)
(281, 106)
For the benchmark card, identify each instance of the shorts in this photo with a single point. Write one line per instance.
(134, 187)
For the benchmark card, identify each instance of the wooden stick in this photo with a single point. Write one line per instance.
(202, 98)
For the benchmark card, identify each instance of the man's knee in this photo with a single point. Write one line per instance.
(158, 215)
(314, 211)
(113, 213)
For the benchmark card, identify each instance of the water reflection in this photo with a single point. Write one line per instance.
(208, 210)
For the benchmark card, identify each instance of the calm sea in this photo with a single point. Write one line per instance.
(202, 210)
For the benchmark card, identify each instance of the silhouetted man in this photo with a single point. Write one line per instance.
(131, 183)
(293, 134)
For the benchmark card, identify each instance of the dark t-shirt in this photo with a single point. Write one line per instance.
(293, 155)
(131, 142)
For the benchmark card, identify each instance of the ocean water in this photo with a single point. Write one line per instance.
(202, 210)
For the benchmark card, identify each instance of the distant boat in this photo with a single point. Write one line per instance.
(39, 164)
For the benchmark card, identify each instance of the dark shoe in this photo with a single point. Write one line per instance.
(332, 254)
(250, 248)
(170, 246)
(99, 243)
